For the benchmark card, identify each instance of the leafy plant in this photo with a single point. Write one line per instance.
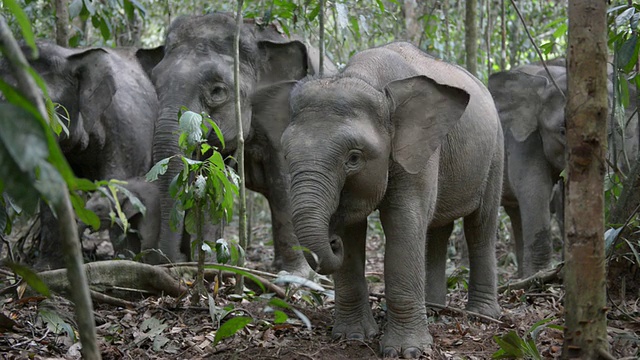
(513, 346)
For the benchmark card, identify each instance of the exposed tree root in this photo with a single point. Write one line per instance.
(112, 276)
(539, 278)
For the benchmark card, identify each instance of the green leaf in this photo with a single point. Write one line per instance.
(30, 276)
(217, 130)
(190, 124)
(279, 303)
(190, 222)
(626, 52)
(223, 254)
(55, 323)
(75, 8)
(230, 327)
(380, 5)
(86, 216)
(135, 202)
(88, 4)
(49, 183)
(314, 13)
(279, 317)
(625, 16)
(158, 169)
(24, 23)
(561, 30)
(237, 271)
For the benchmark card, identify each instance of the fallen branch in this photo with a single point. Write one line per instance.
(449, 308)
(539, 278)
(106, 299)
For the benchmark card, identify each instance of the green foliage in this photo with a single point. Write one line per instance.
(230, 327)
(30, 276)
(513, 346)
(55, 323)
(458, 279)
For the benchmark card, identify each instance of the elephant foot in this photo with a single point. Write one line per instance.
(488, 308)
(358, 326)
(405, 341)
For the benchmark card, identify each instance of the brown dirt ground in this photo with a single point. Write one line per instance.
(169, 328)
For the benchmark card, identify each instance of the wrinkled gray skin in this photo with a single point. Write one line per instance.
(144, 227)
(532, 115)
(418, 139)
(112, 109)
(196, 71)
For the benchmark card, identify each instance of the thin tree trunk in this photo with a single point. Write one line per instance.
(412, 25)
(62, 23)
(447, 38)
(471, 36)
(242, 212)
(63, 209)
(488, 30)
(321, 40)
(503, 30)
(584, 277)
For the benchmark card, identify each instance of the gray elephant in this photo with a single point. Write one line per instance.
(144, 221)
(418, 139)
(111, 105)
(196, 71)
(532, 113)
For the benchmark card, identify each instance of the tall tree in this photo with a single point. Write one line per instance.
(62, 23)
(471, 36)
(584, 278)
(412, 25)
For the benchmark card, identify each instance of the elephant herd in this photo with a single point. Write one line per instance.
(397, 130)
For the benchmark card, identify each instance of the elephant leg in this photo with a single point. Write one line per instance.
(436, 262)
(405, 226)
(51, 255)
(480, 228)
(516, 227)
(353, 317)
(536, 232)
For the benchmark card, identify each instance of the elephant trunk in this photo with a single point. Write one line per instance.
(313, 203)
(165, 144)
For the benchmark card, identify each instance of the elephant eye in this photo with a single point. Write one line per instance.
(354, 161)
(562, 131)
(217, 95)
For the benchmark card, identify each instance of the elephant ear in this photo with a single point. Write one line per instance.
(149, 58)
(96, 84)
(423, 112)
(283, 61)
(518, 97)
(270, 109)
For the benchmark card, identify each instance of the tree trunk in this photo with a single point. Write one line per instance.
(471, 36)
(503, 37)
(584, 278)
(412, 25)
(62, 23)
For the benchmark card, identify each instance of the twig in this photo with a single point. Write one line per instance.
(535, 46)
(449, 308)
(106, 299)
(541, 277)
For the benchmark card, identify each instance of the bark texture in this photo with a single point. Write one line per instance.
(62, 23)
(471, 36)
(584, 278)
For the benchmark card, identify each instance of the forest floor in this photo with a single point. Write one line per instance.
(171, 328)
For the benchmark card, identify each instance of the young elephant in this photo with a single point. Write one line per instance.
(418, 139)
(145, 226)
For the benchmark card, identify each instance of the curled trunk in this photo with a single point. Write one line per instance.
(312, 209)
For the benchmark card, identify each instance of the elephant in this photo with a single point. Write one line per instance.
(111, 106)
(418, 139)
(532, 114)
(144, 221)
(195, 70)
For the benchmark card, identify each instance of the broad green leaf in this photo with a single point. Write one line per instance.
(223, 254)
(216, 129)
(190, 124)
(74, 8)
(190, 222)
(128, 9)
(23, 136)
(141, 9)
(314, 13)
(30, 276)
(626, 53)
(298, 280)
(88, 4)
(23, 21)
(86, 216)
(137, 204)
(561, 30)
(625, 16)
(230, 327)
(380, 5)
(279, 303)
(158, 169)
(49, 183)
(55, 323)
(279, 317)
(175, 217)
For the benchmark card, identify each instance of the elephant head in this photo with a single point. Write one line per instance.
(346, 138)
(529, 103)
(196, 71)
